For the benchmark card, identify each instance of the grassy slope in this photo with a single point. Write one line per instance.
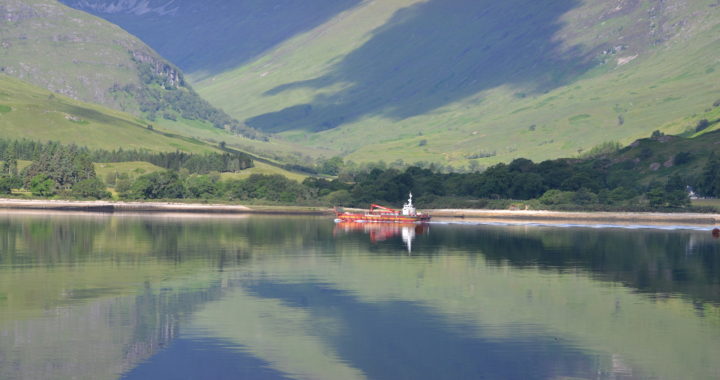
(30, 112)
(666, 82)
(266, 169)
(205, 132)
(137, 168)
(132, 168)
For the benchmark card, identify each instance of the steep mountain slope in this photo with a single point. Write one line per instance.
(458, 80)
(79, 55)
(205, 37)
(31, 112)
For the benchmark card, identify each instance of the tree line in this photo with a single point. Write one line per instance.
(553, 184)
(195, 163)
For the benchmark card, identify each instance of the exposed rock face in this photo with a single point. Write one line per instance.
(161, 68)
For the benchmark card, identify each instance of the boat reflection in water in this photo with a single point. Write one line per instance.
(382, 231)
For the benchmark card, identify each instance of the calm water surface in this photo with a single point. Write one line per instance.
(172, 297)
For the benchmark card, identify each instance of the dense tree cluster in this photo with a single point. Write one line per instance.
(194, 163)
(172, 185)
(550, 184)
(64, 165)
(57, 168)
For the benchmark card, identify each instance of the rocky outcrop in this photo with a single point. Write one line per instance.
(172, 76)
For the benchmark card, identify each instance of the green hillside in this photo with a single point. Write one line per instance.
(86, 58)
(655, 159)
(30, 112)
(463, 80)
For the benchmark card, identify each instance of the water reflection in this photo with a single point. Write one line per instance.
(377, 337)
(382, 231)
(107, 296)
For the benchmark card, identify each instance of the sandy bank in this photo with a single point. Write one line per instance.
(579, 217)
(154, 207)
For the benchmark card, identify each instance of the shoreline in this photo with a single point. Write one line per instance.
(584, 217)
(121, 207)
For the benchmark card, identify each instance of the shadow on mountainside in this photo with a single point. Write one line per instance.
(434, 53)
(208, 37)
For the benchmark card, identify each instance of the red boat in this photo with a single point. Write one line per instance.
(381, 214)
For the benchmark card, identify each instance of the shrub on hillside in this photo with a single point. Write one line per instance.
(701, 125)
(683, 158)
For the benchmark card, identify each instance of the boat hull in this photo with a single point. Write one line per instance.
(374, 218)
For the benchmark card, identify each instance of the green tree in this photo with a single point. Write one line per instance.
(42, 185)
(339, 198)
(5, 187)
(10, 162)
(620, 194)
(709, 183)
(656, 197)
(584, 196)
(677, 198)
(526, 186)
(202, 186)
(556, 197)
(90, 188)
(332, 166)
(158, 185)
(9, 182)
(268, 187)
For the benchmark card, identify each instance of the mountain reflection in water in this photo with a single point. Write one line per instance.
(103, 296)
